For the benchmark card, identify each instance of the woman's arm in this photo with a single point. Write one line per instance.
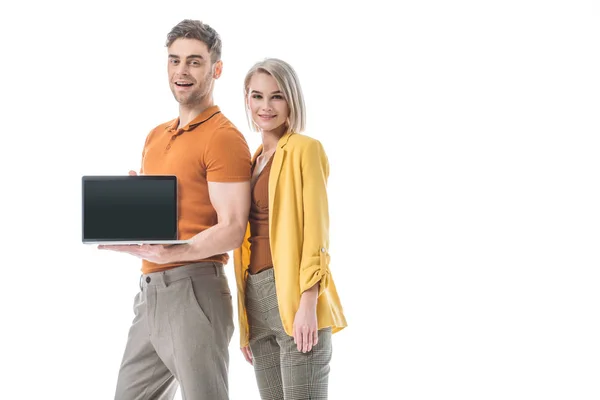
(314, 265)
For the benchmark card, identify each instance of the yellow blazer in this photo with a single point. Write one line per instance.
(298, 233)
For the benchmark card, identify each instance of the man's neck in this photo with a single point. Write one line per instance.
(187, 113)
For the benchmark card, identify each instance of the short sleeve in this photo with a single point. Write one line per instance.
(148, 137)
(227, 157)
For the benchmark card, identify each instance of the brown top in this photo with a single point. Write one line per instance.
(208, 149)
(260, 248)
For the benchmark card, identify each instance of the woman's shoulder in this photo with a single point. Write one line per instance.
(303, 141)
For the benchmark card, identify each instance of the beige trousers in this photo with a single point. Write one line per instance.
(180, 336)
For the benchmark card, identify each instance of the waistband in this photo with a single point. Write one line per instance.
(165, 278)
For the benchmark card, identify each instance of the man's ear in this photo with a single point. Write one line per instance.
(217, 69)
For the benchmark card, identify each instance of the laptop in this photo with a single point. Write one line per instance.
(130, 209)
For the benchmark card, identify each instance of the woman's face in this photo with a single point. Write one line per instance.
(267, 105)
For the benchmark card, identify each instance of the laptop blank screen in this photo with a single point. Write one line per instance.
(129, 208)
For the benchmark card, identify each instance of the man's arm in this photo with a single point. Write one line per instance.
(232, 204)
(231, 201)
(228, 166)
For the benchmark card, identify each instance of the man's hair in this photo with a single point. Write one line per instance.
(194, 29)
(288, 82)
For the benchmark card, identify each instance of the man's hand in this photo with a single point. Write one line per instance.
(156, 253)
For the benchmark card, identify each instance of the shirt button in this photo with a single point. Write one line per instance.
(322, 249)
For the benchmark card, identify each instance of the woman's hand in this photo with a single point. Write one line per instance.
(305, 322)
(247, 353)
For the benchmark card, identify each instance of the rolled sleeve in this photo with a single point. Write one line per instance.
(316, 272)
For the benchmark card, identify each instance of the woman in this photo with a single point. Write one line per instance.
(288, 305)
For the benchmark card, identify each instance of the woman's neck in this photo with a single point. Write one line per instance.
(271, 138)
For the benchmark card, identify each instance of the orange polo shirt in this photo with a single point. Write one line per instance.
(209, 148)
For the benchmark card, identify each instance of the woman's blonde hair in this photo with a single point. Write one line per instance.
(289, 84)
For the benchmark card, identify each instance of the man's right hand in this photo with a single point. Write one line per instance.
(132, 172)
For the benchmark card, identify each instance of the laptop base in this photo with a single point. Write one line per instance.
(139, 242)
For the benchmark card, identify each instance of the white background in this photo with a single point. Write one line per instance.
(463, 142)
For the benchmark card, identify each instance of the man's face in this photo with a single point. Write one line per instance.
(191, 72)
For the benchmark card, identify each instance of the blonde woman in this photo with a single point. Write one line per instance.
(288, 305)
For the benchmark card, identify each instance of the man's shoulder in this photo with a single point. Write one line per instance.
(223, 129)
(156, 132)
(222, 123)
(161, 128)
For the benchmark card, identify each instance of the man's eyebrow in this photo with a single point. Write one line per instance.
(190, 56)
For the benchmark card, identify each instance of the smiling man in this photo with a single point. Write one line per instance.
(183, 312)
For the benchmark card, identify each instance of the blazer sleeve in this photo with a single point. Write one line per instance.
(314, 265)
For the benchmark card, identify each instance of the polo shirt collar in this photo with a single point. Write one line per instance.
(201, 118)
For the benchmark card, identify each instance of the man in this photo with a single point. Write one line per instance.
(183, 313)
